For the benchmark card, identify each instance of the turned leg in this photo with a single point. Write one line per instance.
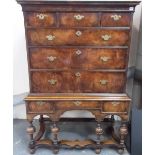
(123, 133)
(55, 131)
(41, 130)
(30, 131)
(99, 132)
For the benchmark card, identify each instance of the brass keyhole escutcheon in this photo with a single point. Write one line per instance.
(78, 74)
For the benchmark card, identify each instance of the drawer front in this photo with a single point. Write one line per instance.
(63, 58)
(79, 19)
(77, 105)
(115, 106)
(99, 58)
(39, 106)
(42, 58)
(116, 19)
(78, 37)
(77, 81)
(40, 19)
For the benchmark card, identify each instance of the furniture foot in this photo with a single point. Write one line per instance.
(55, 151)
(120, 151)
(98, 151)
(30, 130)
(99, 132)
(123, 133)
(55, 131)
(32, 151)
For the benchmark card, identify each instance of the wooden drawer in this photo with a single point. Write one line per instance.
(39, 106)
(116, 19)
(79, 19)
(77, 105)
(78, 37)
(63, 58)
(77, 81)
(42, 58)
(115, 106)
(40, 19)
(99, 58)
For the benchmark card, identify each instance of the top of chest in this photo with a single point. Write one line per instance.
(50, 5)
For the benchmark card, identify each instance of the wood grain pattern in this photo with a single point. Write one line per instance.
(69, 82)
(115, 106)
(68, 19)
(124, 20)
(69, 37)
(78, 58)
(40, 19)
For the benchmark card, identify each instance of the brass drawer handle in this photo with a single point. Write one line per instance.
(106, 37)
(115, 103)
(50, 37)
(40, 103)
(52, 81)
(103, 82)
(77, 103)
(78, 52)
(41, 16)
(116, 17)
(104, 58)
(78, 33)
(78, 17)
(77, 74)
(51, 58)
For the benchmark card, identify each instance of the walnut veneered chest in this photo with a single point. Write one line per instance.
(78, 58)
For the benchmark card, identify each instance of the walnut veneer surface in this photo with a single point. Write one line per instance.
(78, 57)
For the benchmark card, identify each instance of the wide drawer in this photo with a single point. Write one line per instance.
(62, 58)
(77, 81)
(79, 19)
(116, 19)
(115, 106)
(78, 37)
(40, 19)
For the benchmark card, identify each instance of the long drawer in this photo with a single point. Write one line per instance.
(78, 37)
(65, 58)
(77, 81)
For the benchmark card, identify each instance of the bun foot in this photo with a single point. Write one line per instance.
(55, 151)
(98, 151)
(32, 151)
(120, 151)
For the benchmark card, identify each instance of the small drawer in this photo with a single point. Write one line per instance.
(39, 106)
(77, 105)
(40, 19)
(116, 19)
(115, 106)
(79, 19)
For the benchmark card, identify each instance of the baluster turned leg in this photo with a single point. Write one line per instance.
(55, 131)
(99, 132)
(31, 130)
(123, 133)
